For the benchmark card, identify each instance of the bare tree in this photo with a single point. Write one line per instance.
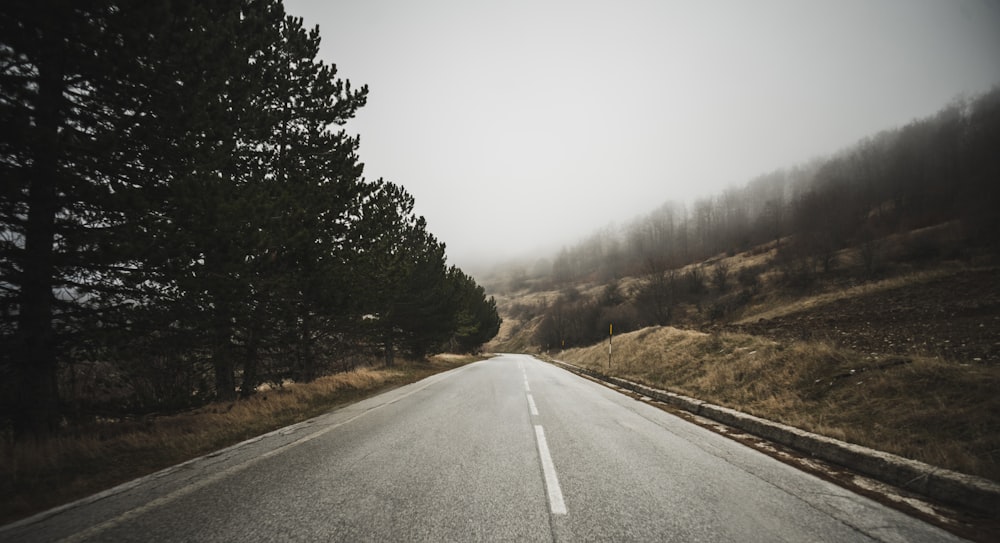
(720, 276)
(655, 297)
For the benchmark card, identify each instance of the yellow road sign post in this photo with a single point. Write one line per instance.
(611, 333)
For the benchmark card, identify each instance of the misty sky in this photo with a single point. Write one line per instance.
(520, 125)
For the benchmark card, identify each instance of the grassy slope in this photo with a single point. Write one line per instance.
(37, 476)
(938, 409)
(927, 409)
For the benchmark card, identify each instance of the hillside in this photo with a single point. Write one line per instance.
(907, 361)
(953, 314)
(903, 205)
(856, 296)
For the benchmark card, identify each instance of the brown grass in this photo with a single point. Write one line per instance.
(781, 306)
(928, 409)
(37, 475)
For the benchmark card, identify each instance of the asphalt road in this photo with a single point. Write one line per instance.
(509, 449)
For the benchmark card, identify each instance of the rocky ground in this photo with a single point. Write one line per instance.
(956, 317)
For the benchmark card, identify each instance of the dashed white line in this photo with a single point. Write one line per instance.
(556, 502)
(531, 404)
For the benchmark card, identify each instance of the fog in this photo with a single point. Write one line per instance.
(521, 126)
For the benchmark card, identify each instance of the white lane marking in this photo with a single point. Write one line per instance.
(527, 387)
(531, 404)
(556, 503)
(218, 476)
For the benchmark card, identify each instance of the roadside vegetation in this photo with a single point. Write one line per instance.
(929, 409)
(38, 474)
(908, 363)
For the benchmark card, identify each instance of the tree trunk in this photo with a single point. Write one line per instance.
(249, 386)
(306, 348)
(222, 360)
(37, 412)
(389, 354)
(225, 379)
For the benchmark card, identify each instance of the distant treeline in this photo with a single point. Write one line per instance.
(941, 168)
(937, 170)
(183, 217)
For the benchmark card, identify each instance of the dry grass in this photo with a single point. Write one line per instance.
(780, 307)
(41, 474)
(515, 336)
(939, 412)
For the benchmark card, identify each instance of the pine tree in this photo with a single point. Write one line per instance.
(396, 263)
(412, 299)
(198, 270)
(72, 78)
(314, 171)
(477, 320)
(424, 311)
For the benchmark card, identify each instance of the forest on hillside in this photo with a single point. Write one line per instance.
(942, 170)
(183, 216)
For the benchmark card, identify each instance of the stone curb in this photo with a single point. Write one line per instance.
(967, 491)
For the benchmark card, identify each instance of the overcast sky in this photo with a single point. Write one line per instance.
(521, 124)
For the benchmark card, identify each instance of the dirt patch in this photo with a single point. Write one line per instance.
(956, 317)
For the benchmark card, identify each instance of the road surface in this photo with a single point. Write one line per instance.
(508, 449)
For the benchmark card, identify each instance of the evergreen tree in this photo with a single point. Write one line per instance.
(314, 171)
(477, 320)
(424, 312)
(72, 78)
(179, 198)
(198, 271)
(400, 268)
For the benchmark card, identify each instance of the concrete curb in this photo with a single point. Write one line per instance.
(967, 491)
